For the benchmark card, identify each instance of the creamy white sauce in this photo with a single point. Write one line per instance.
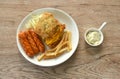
(93, 37)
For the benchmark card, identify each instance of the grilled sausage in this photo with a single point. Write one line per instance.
(38, 41)
(25, 43)
(32, 42)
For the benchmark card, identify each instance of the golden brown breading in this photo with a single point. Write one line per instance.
(48, 27)
(55, 39)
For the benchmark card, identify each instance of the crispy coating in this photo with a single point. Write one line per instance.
(26, 45)
(55, 39)
(61, 48)
(48, 27)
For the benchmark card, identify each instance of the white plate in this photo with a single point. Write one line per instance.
(64, 18)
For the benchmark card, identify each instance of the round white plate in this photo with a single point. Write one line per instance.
(64, 18)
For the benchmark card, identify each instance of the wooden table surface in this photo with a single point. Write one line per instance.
(101, 62)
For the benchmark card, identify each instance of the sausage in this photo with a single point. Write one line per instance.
(26, 45)
(32, 42)
(38, 41)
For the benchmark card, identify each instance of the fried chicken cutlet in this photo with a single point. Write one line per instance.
(49, 28)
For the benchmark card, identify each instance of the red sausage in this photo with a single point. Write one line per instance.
(38, 41)
(25, 43)
(32, 42)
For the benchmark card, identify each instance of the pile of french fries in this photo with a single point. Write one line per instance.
(62, 47)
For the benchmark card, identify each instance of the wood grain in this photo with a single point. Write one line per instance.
(101, 62)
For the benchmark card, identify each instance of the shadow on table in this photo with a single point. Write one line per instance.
(93, 50)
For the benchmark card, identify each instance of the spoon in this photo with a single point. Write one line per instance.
(102, 26)
(94, 39)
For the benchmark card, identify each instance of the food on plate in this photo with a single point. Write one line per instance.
(31, 42)
(55, 38)
(48, 27)
(64, 45)
(38, 41)
(26, 45)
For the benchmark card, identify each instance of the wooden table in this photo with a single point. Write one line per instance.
(101, 62)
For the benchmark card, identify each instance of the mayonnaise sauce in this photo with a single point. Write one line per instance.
(93, 37)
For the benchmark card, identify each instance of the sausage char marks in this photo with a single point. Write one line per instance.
(31, 42)
(38, 41)
(26, 45)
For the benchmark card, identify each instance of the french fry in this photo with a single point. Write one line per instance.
(54, 55)
(69, 44)
(64, 45)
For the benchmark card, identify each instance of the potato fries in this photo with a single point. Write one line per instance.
(62, 47)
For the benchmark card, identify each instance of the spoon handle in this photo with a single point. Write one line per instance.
(102, 26)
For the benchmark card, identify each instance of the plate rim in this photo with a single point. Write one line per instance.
(28, 15)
